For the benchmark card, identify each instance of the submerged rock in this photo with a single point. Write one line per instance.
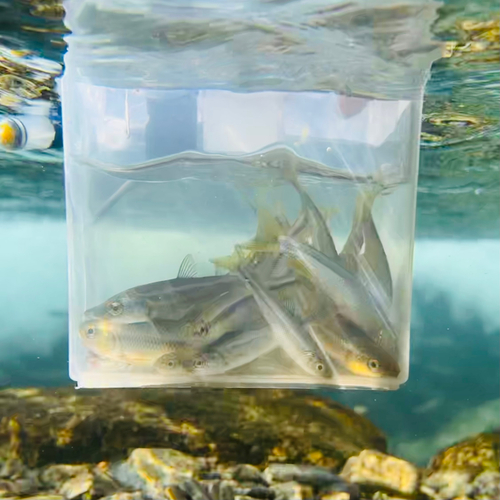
(465, 471)
(374, 470)
(153, 470)
(238, 426)
(248, 473)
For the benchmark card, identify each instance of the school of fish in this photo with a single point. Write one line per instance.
(288, 293)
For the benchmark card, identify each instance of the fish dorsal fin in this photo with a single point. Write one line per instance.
(268, 227)
(328, 213)
(187, 268)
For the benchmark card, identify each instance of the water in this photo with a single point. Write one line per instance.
(452, 391)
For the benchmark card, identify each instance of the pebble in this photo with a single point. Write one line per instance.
(124, 495)
(336, 495)
(447, 485)
(377, 470)
(293, 491)
(248, 473)
(487, 485)
(175, 492)
(259, 492)
(281, 473)
(221, 490)
(54, 475)
(195, 490)
(77, 486)
(152, 470)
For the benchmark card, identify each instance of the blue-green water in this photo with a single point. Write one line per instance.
(453, 390)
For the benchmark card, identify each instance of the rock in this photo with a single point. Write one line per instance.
(448, 484)
(281, 473)
(195, 490)
(152, 470)
(486, 486)
(104, 483)
(465, 471)
(374, 470)
(42, 496)
(293, 491)
(474, 455)
(77, 486)
(221, 490)
(136, 495)
(336, 495)
(248, 473)
(259, 492)
(233, 425)
(54, 475)
(20, 487)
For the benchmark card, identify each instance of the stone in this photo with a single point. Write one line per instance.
(221, 490)
(474, 455)
(292, 491)
(54, 475)
(465, 470)
(375, 470)
(195, 490)
(487, 485)
(77, 486)
(258, 492)
(152, 470)
(281, 473)
(104, 483)
(248, 473)
(448, 484)
(124, 495)
(235, 426)
(336, 495)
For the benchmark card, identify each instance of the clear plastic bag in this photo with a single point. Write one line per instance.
(241, 186)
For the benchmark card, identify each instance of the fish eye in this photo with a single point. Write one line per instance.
(90, 332)
(171, 364)
(199, 363)
(320, 367)
(373, 364)
(115, 308)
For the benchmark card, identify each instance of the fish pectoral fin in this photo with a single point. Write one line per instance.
(187, 268)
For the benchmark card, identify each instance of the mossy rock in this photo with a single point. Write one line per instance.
(474, 455)
(465, 471)
(43, 426)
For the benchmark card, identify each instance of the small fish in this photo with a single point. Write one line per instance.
(130, 343)
(232, 350)
(293, 338)
(351, 349)
(352, 299)
(363, 246)
(170, 299)
(183, 315)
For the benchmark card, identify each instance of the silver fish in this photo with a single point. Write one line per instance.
(130, 343)
(288, 332)
(350, 348)
(352, 299)
(232, 350)
(363, 248)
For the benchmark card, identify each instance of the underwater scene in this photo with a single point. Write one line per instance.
(265, 262)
